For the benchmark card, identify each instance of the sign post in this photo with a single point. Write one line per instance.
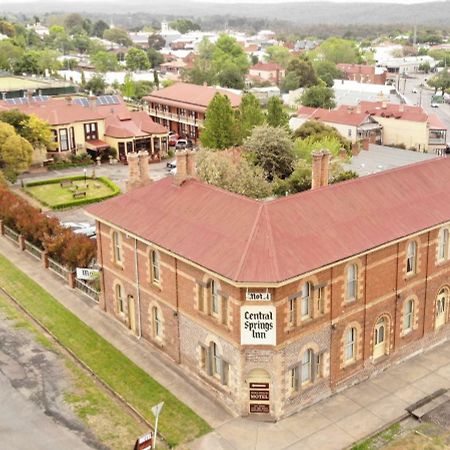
(86, 274)
(156, 411)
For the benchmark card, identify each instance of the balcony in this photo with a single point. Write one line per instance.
(188, 120)
(437, 137)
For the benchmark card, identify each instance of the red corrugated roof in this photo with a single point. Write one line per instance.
(391, 110)
(254, 241)
(436, 123)
(343, 115)
(266, 67)
(357, 68)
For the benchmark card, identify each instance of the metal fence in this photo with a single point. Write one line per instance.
(57, 268)
(86, 289)
(11, 234)
(33, 250)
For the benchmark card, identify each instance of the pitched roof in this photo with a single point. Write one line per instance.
(345, 115)
(253, 241)
(266, 67)
(436, 122)
(391, 110)
(190, 95)
(357, 68)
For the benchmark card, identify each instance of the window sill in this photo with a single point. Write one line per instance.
(156, 287)
(349, 365)
(410, 275)
(406, 333)
(117, 265)
(350, 301)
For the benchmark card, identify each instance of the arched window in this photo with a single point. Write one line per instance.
(307, 362)
(214, 296)
(155, 267)
(441, 307)
(350, 345)
(411, 258)
(380, 341)
(306, 301)
(156, 321)
(352, 281)
(119, 298)
(408, 316)
(216, 359)
(117, 248)
(443, 245)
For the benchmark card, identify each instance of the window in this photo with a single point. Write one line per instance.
(307, 362)
(117, 249)
(63, 140)
(119, 299)
(350, 345)
(443, 245)
(441, 307)
(72, 138)
(321, 300)
(408, 316)
(293, 311)
(212, 361)
(90, 131)
(305, 301)
(216, 360)
(352, 282)
(157, 326)
(294, 378)
(214, 295)
(155, 268)
(411, 256)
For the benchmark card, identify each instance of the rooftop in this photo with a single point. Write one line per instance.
(343, 115)
(251, 241)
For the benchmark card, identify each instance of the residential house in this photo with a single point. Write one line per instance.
(363, 73)
(274, 305)
(182, 107)
(271, 72)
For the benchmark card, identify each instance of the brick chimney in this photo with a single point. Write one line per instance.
(316, 175)
(401, 108)
(134, 176)
(324, 170)
(92, 101)
(143, 167)
(181, 174)
(191, 169)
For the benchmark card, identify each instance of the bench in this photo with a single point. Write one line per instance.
(79, 194)
(66, 183)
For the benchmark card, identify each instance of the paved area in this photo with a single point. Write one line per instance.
(32, 383)
(332, 424)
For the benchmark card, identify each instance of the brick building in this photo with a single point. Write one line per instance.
(182, 107)
(274, 305)
(363, 73)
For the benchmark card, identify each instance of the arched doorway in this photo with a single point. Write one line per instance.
(380, 339)
(259, 392)
(441, 307)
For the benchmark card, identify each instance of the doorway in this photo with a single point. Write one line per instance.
(259, 392)
(380, 338)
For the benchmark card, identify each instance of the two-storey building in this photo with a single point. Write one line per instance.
(273, 305)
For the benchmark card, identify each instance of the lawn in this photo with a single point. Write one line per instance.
(178, 423)
(71, 191)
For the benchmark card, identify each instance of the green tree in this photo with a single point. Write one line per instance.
(425, 67)
(440, 81)
(143, 88)
(28, 63)
(230, 76)
(249, 116)
(226, 50)
(302, 71)
(96, 85)
(117, 35)
(154, 57)
(184, 25)
(290, 82)
(276, 115)
(156, 41)
(7, 28)
(223, 170)
(72, 21)
(339, 50)
(204, 70)
(156, 79)
(271, 149)
(319, 131)
(137, 60)
(219, 127)
(99, 28)
(327, 71)
(10, 54)
(318, 97)
(82, 43)
(279, 55)
(104, 61)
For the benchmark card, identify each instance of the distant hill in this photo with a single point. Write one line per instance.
(301, 14)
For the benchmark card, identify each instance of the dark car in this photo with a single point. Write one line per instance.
(184, 143)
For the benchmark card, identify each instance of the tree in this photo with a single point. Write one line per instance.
(28, 63)
(290, 82)
(156, 41)
(128, 87)
(440, 81)
(10, 54)
(231, 77)
(327, 71)
(303, 71)
(226, 50)
(7, 28)
(156, 79)
(304, 147)
(117, 35)
(143, 88)
(318, 97)
(339, 50)
(219, 127)
(184, 25)
(276, 115)
(137, 60)
(104, 61)
(155, 58)
(72, 21)
(318, 131)
(99, 28)
(249, 116)
(279, 55)
(81, 42)
(235, 175)
(15, 152)
(38, 133)
(425, 67)
(96, 85)
(271, 149)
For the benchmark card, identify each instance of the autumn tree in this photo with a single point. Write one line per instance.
(276, 115)
(219, 127)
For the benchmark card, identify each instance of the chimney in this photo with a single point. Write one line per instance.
(143, 168)
(92, 101)
(384, 104)
(324, 170)
(134, 176)
(181, 174)
(29, 95)
(358, 108)
(316, 176)
(191, 169)
(68, 100)
(401, 108)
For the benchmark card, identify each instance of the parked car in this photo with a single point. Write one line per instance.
(171, 164)
(434, 105)
(414, 91)
(184, 143)
(81, 228)
(173, 138)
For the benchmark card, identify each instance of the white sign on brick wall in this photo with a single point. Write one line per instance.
(258, 325)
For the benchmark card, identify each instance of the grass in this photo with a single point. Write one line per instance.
(382, 438)
(178, 423)
(111, 425)
(53, 195)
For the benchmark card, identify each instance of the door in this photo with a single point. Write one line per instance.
(441, 308)
(131, 314)
(380, 338)
(259, 392)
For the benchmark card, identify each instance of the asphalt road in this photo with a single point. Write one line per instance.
(33, 414)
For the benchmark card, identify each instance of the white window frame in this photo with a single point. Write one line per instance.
(305, 301)
(155, 267)
(411, 258)
(157, 324)
(443, 245)
(408, 316)
(119, 298)
(352, 282)
(350, 344)
(216, 360)
(117, 247)
(306, 367)
(214, 298)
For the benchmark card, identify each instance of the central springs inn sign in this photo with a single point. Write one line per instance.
(258, 325)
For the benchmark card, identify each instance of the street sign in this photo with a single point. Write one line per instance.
(145, 442)
(86, 274)
(156, 410)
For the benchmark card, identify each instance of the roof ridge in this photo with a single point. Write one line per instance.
(272, 244)
(249, 241)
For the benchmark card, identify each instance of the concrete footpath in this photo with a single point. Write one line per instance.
(332, 424)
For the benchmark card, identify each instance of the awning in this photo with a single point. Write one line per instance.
(96, 144)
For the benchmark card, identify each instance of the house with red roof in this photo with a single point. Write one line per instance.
(182, 107)
(363, 73)
(271, 72)
(272, 305)
(94, 124)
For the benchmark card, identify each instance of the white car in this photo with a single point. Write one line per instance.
(414, 91)
(81, 228)
(434, 105)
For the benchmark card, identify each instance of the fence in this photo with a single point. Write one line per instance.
(33, 250)
(11, 234)
(57, 268)
(87, 290)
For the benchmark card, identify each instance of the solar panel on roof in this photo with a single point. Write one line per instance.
(108, 100)
(81, 101)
